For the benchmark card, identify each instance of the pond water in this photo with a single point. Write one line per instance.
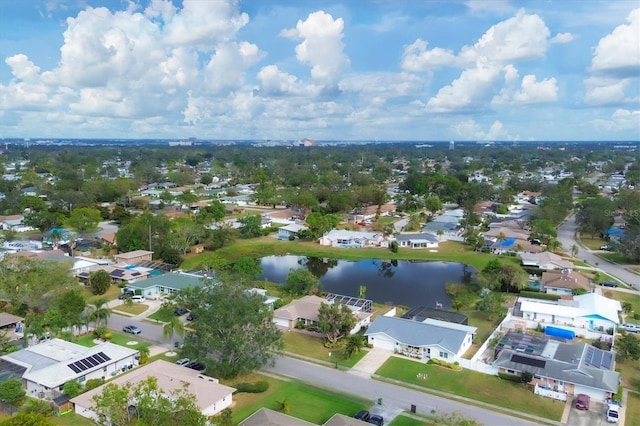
(402, 282)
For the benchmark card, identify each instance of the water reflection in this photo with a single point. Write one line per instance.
(397, 282)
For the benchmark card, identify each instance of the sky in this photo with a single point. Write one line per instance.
(376, 70)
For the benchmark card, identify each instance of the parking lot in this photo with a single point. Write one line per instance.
(595, 416)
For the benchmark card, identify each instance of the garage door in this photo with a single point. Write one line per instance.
(282, 322)
(594, 394)
(382, 342)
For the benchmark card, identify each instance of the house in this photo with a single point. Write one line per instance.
(268, 417)
(545, 260)
(353, 239)
(133, 257)
(305, 311)
(370, 212)
(423, 340)
(417, 241)
(210, 396)
(14, 223)
(448, 223)
(563, 368)
(292, 229)
(44, 368)
(120, 273)
(589, 312)
(166, 284)
(564, 282)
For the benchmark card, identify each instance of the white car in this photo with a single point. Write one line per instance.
(613, 412)
(630, 328)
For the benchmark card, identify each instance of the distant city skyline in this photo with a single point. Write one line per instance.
(370, 70)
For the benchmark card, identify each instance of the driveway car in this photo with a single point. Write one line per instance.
(582, 401)
(131, 329)
(180, 311)
(630, 328)
(605, 247)
(182, 361)
(609, 284)
(125, 294)
(376, 420)
(362, 415)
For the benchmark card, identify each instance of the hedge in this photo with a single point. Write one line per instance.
(257, 387)
(537, 295)
(510, 377)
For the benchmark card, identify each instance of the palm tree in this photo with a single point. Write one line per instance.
(440, 232)
(144, 352)
(174, 326)
(501, 238)
(100, 312)
(355, 343)
(574, 250)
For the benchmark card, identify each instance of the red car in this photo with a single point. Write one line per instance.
(582, 402)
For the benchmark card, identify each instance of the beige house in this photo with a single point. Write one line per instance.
(267, 417)
(545, 260)
(210, 396)
(564, 282)
(133, 257)
(305, 311)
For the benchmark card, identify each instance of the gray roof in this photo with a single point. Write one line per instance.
(417, 237)
(564, 361)
(444, 226)
(447, 335)
(174, 280)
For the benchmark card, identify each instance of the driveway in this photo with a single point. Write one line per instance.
(595, 416)
(566, 236)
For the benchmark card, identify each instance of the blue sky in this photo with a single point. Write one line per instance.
(345, 70)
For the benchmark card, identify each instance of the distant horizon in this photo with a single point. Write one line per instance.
(366, 70)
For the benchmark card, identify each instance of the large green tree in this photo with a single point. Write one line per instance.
(153, 405)
(628, 346)
(234, 333)
(99, 281)
(84, 219)
(595, 216)
(301, 282)
(335, 320)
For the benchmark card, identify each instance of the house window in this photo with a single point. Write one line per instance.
(444, 355)
(82, 378)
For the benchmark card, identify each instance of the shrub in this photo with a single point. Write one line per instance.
(510, 377)
(636, 315)
(37, 406)
(394, 247)
(537, 295)
(526, 377)
(257, 387)
(292, 237)
(11, 391)
(100, 332)
(445, 364)
(92, 384)
(72, 388)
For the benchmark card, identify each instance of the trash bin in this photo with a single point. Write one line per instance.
(379, 401)
(176, 345)
(413, 408)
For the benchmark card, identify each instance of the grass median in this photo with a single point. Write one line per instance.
(473, 385)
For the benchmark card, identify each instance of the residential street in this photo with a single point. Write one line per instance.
(395, 398)
(566, 236)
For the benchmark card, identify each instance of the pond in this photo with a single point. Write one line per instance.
(401, 282)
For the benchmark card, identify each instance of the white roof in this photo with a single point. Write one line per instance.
(47, 362)
(343, 234)
(585, 305)
(294, 227)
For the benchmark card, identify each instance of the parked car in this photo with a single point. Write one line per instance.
(195, 365)
(605, 247)
(609, 284)
(613, 412)
(376, 420)
(180, 311)
(362, 415)
(630, 328)
(582, 401)
(138, 299)
(126, 293)
(535, 241)
(131, 329)
(182, 361)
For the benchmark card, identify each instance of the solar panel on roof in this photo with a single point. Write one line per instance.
(80, 366)
(74, 368)
(92, 361)
(117, 272)
(102, 357)
(534, 362)
(85, 363)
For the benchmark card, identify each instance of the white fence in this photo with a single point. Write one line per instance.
(550, 393)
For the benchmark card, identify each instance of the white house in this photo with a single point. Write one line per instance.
(14, 223)
(422, 340)
(210, 396)
(294, 229)
(417, 241)
(589, 312)
(545, 260)
(353, 239)
(44, 368)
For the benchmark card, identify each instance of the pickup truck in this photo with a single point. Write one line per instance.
(613, 412)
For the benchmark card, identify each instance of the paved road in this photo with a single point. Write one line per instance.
(150, 332)
(395, 398)
(566, 236)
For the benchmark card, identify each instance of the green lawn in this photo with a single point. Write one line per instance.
(591, 243)
(632, 416)
(133, 309)
(485, 328)
(118, 339)
(630, 372)
(312, 347)
(265, 246)
(163, 314)
(305, 402)
(112, 293)
(631, 298)
(409, 421)
(473, 385)
(72, 419)
(617, 258)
